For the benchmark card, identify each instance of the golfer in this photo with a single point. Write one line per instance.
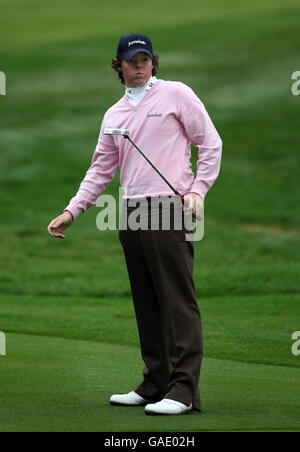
(164, 118)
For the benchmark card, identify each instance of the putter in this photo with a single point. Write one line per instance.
(125, 134)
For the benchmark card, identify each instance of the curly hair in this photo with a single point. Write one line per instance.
(116, 63)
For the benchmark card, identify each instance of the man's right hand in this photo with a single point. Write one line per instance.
(59, 224)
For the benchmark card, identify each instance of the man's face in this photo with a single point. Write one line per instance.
(137, 71)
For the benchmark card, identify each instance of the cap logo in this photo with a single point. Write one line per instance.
(136, 42)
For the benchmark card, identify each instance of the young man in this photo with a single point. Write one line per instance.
(164, 118)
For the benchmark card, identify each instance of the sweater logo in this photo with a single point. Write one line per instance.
(154, 115)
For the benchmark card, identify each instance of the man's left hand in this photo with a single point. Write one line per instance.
(194, 203)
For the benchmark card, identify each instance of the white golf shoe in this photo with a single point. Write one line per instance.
(167, 406)
(130, 399)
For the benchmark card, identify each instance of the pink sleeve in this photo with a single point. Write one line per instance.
(101, 172)
(202, 133)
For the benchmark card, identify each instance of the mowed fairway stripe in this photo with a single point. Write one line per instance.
(53, 384)
(58, 21)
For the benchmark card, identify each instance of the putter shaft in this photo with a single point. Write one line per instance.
(166, 181)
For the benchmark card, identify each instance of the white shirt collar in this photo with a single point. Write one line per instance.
(135, 95)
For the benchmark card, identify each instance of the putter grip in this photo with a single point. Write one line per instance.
(181, 197)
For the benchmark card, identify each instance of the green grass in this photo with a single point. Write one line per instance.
(66, 305)
(74, 379)
(252, 329)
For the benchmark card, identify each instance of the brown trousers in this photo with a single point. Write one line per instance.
(160, 268)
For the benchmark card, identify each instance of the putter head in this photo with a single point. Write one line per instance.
(112, 131)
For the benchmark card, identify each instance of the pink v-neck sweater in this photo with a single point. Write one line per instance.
(164, 124)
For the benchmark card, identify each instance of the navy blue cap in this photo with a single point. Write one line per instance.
(134, 43)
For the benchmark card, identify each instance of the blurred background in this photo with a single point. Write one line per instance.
(65, 305)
